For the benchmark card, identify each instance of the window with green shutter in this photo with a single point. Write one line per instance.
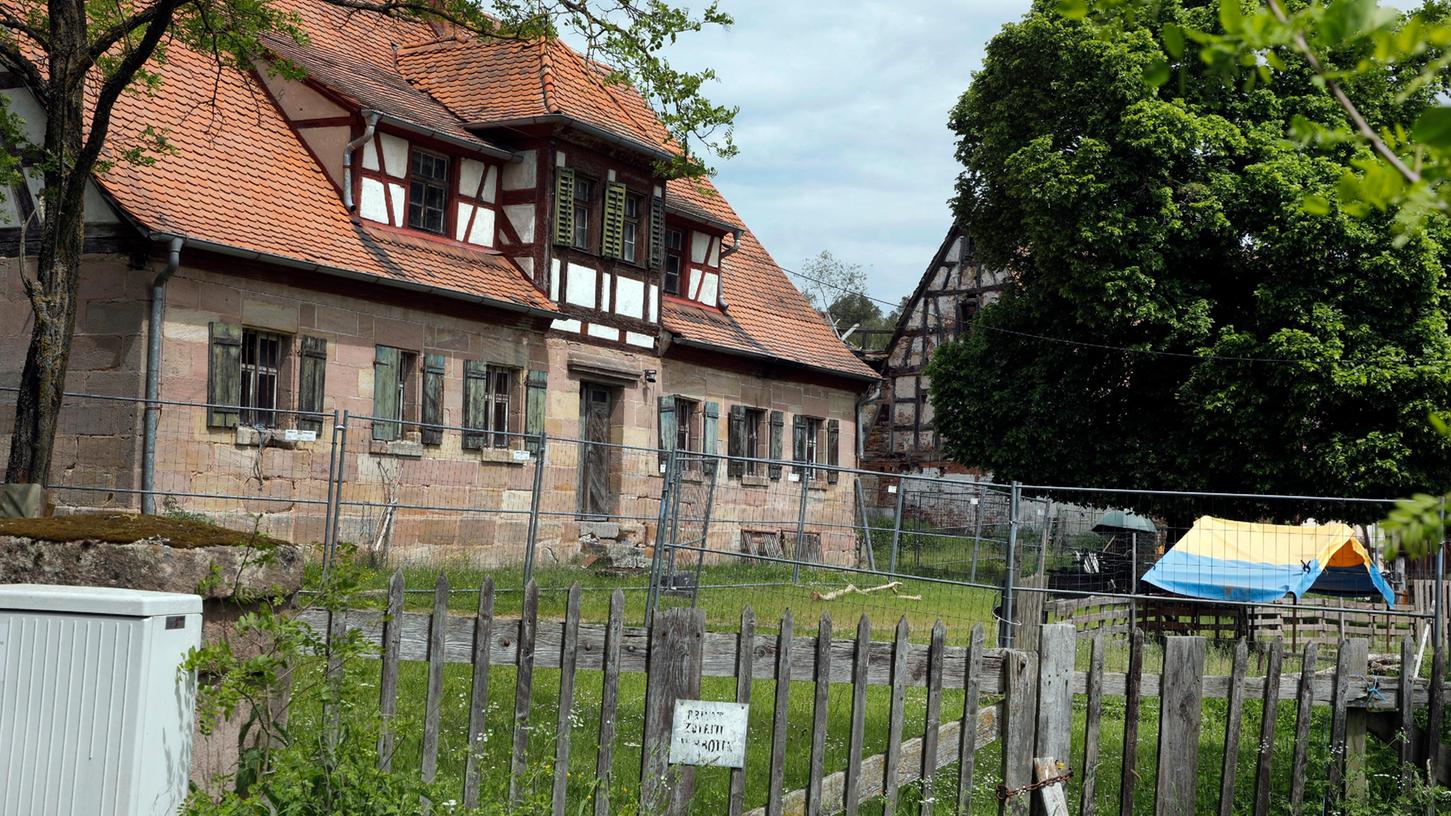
(657, 231)
(311, 374)
(224, 375)
(433, 374)
(387, 393)
(536, 392)
(736, 441)
(709, 435)
(833, 449)
(778, 422)
(564, 206)
(667, 427)
(612, 226)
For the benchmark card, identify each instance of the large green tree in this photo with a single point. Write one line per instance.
(1178, 317)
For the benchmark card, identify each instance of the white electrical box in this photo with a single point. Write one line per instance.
(95, 714)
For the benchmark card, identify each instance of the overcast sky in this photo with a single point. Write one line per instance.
(843, 124)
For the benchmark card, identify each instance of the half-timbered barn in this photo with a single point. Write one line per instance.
(428, 230)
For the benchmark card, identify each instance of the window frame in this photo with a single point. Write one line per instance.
(630, 232)
(444, 183)
(812, 447)
(751, 438)
(677, 254)
(497, 402)
(251, 413)
(584, 208)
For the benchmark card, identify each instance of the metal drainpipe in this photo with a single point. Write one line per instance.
(370, 125)
(153, 376)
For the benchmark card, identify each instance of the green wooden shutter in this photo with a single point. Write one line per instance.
(657, 231)
(798, 439)
(667, 426)
(476, 403)
(612, 231)
(224, 375)
(736, 441)
(710, 435)
(833, 455)
(778, 421)
(386, 361)
(433, 371)
(564, 206)
(536, 393)
(312, 371)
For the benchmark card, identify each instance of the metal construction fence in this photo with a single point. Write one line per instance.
(675, 527)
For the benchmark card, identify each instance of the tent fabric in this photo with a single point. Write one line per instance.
(1219, 559)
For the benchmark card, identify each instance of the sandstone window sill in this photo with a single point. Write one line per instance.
(755, 481)
(401, 448)
(505, 456)
(246, 436)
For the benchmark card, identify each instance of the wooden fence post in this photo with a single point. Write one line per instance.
(609, 702)
(819, 705)
(1020, 670)
(1304, 702)
(1268, 710)
(933, 716)
(1180, 693)
(1404, 699)
(745, 670)
(779, 715)
(1092, 721)
(1057, 646)
(568, 660)
(1233, 721)
(523, 691)
(388, 683)
(1128, 772)
(967, 737)
(479, 692)
(851, 797)
(433, 703)
(672, 673)
(1347, 728)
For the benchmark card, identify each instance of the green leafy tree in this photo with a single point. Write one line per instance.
(78, 58)
(1179, 319)
(855, 309)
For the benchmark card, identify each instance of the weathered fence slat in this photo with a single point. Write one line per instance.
(563, 728)
(1270, 704)
(1357, 785)
(967, 742)
(433, 705)
(1020, 693)
(1179, 722)
(479, 692)
(779, 715)
(1335, 791)
(673, 674)
(1057, 644)
(745, 654)
(1128, 773)
(819, 710)
(933, 716)
(1092, 721)
(856, 737)
(388, 681)
(523, 692)
(894, 717)
(609, 703)
(1053, 798)
(1437, 702)
(1408, 719)
(1233, 722)
(1304, 702)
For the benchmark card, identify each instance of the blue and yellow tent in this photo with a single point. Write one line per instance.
(1227, 560)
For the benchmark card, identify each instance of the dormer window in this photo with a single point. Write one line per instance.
(427, 191)
(674, 246)
(584, 196)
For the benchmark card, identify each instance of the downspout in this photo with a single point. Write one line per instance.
(371, 123)
(726, 252)
(153, 376)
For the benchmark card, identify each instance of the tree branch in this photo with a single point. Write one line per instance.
(13, 59)
(108, 38)
(14, 23)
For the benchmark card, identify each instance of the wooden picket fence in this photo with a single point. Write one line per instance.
(1031, 710)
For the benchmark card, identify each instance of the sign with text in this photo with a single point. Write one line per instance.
(705, 732)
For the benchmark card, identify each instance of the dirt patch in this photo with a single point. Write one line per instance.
(124, 528)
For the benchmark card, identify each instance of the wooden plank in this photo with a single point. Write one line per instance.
(1270, 700)
(856, 737)
(1303, 699)
(819, 711)
(523, 691)
(1128, 772)
(779, 715)
(1408, 713)
(1020, 696)
(609, 703)
(1052, 798)
(894, 718)
(479, 692)
(1335, 789)
(564, 724)
(1436, 704)
(933, 717)
(967, 744)
(388, 682)
(1058, 644)
(744, 657)
(1092, 722)
(1179, 719)
(1233, 722)
(673, 674)
(337, 629)
(433, 704)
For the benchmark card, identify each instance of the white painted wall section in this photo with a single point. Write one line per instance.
(491, 185)
(521, 175)
(714, 259)
(554, 280)
(710, 289)
(372, 204)
(603, 332)
(630, 298)
(370, 154)
(470, 177)
(650, 303)
(521, 217)
(699, 246)
(605, 292)
(692, 285)
(641, 340)
(482, 233)
(579, 286)
(395, 155)
(395, 192)
(461, 223)
(566, 325)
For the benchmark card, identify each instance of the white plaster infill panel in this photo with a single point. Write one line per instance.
(630, 298)
(603, 332)
(566, 325)
(521, 218)
(491, 185)
(554, 279)
(605, 292)
(395, 192)
(699, 246)
(710, 289)
(650, 303)
(641, 340)
(692, 285)
(395, 155)
(461, 223)
(483, 229)
(372, 204)
(714, 259)
(370, 154)
(579, 286)
(521, 174)
(470, 176)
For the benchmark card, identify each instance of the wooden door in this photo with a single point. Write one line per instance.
(596, 407)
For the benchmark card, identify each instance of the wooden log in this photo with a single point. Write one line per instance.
(564, 724)
(1179, 722)
(523, 692)
(1270, 700)
(1233, 722)
(388, 682)
(819, 711)
(894, 718)
(479, 693)
(744, 657)
(779, 715)
(1092, 722)
(1128, 771)
(673, 674)
(609, 703)
(967, 743)
(433, 705)
(932, 718)
(1057, 647)
(1051, 798)
(1407, 712)
(1020, 702)
(1304, 700)
(857, 734)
